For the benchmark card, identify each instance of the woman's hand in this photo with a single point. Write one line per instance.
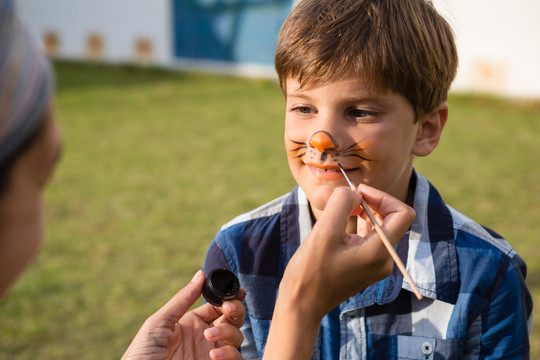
(207, 332)
(332, 265)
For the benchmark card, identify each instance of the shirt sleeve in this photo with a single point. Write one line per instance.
(503, 326)
(215, 258)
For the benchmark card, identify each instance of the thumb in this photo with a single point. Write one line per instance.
(184, 299)
(338, 209)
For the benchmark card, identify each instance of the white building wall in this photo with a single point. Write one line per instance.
(119, 23)
(498, 40)
(498, 43)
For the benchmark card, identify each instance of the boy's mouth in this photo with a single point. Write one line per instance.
(325, 172)
(324, 167)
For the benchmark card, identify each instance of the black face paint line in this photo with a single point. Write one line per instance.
(353, 150)
(301, 146)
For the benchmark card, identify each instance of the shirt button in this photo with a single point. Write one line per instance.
(427, 349)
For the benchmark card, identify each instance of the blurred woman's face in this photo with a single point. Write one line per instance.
(21, 205)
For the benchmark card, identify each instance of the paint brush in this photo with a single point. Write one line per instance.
(384, 239)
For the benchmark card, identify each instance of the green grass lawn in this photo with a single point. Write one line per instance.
(155, 162)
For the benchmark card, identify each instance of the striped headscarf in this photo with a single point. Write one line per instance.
(26, 82)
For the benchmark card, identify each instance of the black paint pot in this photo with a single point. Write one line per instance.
(221, 285)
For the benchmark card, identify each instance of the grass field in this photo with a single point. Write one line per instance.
(155, 162)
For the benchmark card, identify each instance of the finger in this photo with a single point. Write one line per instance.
(234, 313)
(184, 299)
(363, 226)
(233, 310)
(338, 209)
(396, 216)
(226, 333)
(241, 294)
(208, 312)
(227, 352)
(381, 202)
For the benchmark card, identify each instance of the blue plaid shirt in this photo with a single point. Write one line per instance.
(476, 304)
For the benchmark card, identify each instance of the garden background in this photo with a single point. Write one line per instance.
(154, 162)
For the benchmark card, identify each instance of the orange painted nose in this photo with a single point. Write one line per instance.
(322, 141)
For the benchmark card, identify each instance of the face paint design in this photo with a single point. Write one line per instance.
(322, 148)
(372, 135)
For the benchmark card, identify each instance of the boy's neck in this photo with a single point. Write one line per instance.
(409, 200)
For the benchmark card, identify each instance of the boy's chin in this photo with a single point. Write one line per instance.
(318, 199)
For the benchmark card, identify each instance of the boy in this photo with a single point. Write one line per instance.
(366, 83)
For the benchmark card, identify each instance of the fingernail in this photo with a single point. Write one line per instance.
(230, 307)
(197, 276)
(211, 333)
(217, 353)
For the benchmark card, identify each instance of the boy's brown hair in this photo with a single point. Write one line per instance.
(400, 45)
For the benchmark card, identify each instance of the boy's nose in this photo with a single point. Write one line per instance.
(322, 141)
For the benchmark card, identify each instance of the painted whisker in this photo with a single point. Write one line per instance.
(301, 147)
(298, 148)
(356, 155)
(353, 150)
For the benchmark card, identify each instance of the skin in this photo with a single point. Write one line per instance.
(205, 332)
(374, 136)
(21, 205)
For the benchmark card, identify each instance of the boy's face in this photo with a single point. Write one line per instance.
(372, 135)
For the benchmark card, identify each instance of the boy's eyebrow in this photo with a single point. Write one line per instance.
(297, 95)
(366, 98)
(360, 98)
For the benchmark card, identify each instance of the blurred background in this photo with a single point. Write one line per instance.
(172, 125)
(497, 41)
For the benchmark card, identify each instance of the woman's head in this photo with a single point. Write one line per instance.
(29, 144)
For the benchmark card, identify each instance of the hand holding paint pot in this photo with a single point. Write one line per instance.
(207, 331)
(332, 265)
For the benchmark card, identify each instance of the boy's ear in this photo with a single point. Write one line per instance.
(430, 130)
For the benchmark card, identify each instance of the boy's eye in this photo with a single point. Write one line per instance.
(303, 110)
(359, 113)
